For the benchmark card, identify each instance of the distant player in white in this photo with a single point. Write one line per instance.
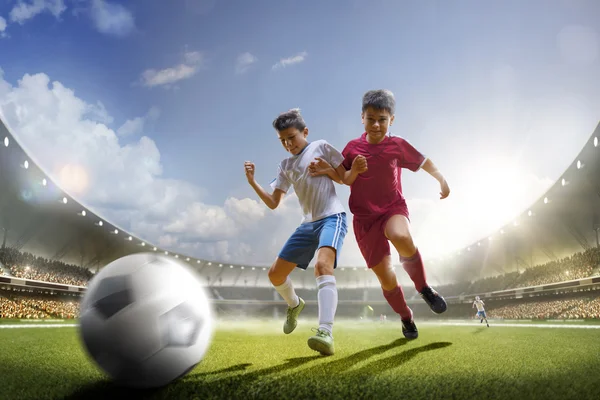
(480, 310)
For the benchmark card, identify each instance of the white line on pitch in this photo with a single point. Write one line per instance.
(514, 325)
(38, 326)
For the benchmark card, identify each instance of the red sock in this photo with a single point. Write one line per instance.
(395, 298)
(413, 265)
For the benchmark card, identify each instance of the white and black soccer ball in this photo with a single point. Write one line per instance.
(146, 320)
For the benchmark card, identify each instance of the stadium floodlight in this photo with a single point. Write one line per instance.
(176, 255)
(99, 223)
(468, 249)
(564, 182)
(64, 200)
(546, 200)
(82, 213)
(130, 238)
(502, 231)
(6, 141)
(197, 261)
(264, 269)
(155, 249)
(231, 266)
(26, 164)
(595, 141)
(242, 267)
(579, 164)
(478, 243)
(209, 263)
(220, 265)
(253, 268)
(116, 232)
(166, 253)
(354, 269)
(530, 213)
(143, 244)
(187, 259)
(343, 269)
(44, 182)
(490, 238)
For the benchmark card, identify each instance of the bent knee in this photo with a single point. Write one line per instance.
(323, 268)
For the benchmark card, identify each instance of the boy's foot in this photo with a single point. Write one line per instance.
(488, 325)
(481, 321)
(292, 317)
(409, 329)
(321, 342)
(434, 300)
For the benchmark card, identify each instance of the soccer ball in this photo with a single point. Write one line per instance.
(146, 320)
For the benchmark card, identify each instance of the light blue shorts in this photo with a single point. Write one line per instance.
(300, 248)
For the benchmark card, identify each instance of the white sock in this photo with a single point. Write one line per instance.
(328, 300)
(286, 290)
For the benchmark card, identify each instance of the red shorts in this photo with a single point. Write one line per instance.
(370, 235)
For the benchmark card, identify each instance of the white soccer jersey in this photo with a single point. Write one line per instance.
(479, 304)
(316, 194)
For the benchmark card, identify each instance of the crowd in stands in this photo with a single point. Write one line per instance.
(28, 266)
(25, 307)
(577, 308)
(579, 265)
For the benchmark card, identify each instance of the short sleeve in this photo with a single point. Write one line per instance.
(348, 155)
(281, 182)
(332, 155)
(409, 157)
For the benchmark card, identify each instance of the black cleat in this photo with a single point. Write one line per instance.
(434, 300)
(409, 329)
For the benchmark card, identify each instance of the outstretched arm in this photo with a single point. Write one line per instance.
(272, 200)
(320, 167)
(432, 170)
(339, 174)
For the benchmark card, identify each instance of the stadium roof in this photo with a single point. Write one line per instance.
(37, 216)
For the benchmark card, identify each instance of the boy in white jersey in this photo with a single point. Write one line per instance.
(480, 310)
(322, 229)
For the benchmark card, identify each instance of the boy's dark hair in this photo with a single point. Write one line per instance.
(381, 99)
(288, 119)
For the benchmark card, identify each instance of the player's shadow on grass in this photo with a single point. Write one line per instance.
(240, 383)
(397, 359)
(478, 330)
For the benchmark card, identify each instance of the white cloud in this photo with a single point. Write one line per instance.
(135, 126)
(72, 141)
(23, 11)
(284, 62)
(243, 62)
(168, 76)
(111, 19)
(2, 26)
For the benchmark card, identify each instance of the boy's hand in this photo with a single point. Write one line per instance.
(445, 189)
(249, 171)
(319, 167)
(359, 164)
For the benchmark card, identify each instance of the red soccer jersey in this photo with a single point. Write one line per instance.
(378, 190)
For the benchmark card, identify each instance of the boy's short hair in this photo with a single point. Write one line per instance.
(288, 119)
(381, 99)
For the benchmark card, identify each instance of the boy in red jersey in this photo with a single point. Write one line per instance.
(373, 164)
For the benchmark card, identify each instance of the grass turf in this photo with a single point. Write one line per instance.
(256, 360)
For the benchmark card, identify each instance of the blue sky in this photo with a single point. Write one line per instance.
(501, 96)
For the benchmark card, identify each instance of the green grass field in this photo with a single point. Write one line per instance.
(252, 360)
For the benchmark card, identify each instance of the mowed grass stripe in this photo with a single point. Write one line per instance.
(372, 360)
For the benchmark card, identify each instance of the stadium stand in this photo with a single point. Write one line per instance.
(545, 265)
